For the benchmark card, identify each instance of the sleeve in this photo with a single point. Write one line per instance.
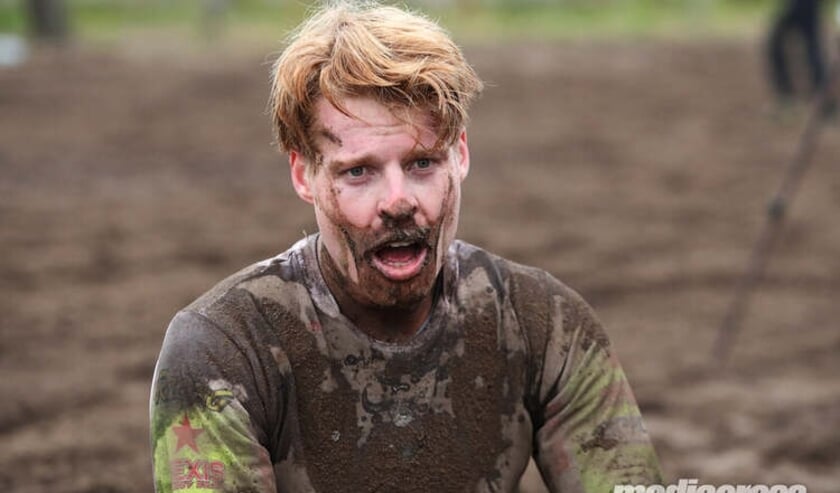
(206, 430)
(590, 436)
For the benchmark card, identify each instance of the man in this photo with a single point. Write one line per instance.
(797, 18)
(381, 354)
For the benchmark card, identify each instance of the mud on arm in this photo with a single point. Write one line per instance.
(589, 431)
(207, 420)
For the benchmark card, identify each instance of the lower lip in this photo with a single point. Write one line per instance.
(402, 271)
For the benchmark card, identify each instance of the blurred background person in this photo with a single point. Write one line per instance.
(798, 21)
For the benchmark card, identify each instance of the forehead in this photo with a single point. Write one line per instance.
(370, 124)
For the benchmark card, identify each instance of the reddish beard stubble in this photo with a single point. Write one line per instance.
(373, 289)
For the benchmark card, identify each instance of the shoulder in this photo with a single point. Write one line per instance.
(235, 318)
(521, 282)
(224, 331)
(542, 303)
(282, 277)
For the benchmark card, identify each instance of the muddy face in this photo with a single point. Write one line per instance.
(386, 202)
(392, 268)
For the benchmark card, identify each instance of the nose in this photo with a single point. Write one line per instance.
(398, 203)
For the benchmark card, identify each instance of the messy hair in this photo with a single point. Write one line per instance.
(345, 49)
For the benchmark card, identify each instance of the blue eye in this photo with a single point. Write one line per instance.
(423, 163)
(356, 171)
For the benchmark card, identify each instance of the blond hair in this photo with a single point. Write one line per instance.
(346, 49)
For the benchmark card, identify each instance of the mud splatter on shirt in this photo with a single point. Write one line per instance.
(262, 385)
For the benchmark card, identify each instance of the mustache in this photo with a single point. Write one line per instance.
(409, 234)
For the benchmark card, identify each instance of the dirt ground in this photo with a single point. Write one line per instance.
(638, 173)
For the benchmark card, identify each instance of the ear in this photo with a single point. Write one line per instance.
(463, 156)
(300, 177)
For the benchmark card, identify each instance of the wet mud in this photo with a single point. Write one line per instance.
(361, 404)
(636, 172)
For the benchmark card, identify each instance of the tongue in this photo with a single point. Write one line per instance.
(397, 255)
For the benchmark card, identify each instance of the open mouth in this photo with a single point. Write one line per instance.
(400, 260)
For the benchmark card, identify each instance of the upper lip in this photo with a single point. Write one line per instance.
(396, 244)
(401, 238)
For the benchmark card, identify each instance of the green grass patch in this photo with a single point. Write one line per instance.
(475, 20)
(616, 19)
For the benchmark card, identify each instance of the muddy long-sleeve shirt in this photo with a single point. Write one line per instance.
(262, 385)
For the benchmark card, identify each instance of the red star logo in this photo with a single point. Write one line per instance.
(186, 434)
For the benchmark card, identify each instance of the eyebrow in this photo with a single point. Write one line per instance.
(439, 154)
(336, 164)
(370, 158)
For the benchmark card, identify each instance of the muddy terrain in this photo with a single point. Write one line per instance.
(638, 173)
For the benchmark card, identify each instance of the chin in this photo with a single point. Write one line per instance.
(383, 293)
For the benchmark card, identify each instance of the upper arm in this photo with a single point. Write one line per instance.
(590, 434)
(207, 421)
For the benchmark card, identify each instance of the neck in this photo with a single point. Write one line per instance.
(385, 323)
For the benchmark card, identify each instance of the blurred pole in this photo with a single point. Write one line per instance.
(48, 20)
(824, 101)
